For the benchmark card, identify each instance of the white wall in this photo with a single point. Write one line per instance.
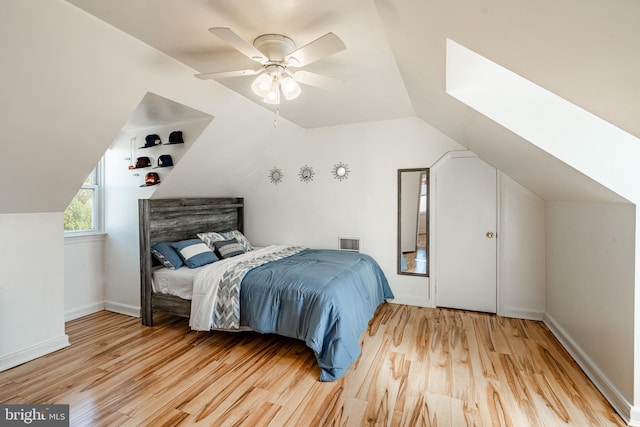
(364, 205)
(84, 275)
(590, 289)
(315, 214)
(31, 288)
(521, 258)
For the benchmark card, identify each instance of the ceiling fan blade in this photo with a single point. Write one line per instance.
(226, 74)
(239, 44)
(317, 80)
(317, 49)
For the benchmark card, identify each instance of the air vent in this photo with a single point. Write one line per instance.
(349, 244)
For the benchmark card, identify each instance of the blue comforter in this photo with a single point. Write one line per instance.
(324, 297)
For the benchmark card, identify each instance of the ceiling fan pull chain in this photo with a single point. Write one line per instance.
(276, 114)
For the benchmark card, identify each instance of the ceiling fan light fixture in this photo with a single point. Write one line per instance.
(262, 84)
(277, 52)
(269, 84)
(290, 88)
(273, 96)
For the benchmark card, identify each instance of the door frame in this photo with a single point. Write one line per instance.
(433, 262)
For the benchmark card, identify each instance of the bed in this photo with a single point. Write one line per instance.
(324, 297)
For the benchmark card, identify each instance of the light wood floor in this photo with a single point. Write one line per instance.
(419, 367)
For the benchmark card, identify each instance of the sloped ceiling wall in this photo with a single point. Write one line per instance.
(54, 117)
(585, 52)
(581, 51)
(70, 82)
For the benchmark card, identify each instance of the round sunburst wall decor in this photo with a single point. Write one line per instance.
(275, 176)
(340, 171)
(306, 174)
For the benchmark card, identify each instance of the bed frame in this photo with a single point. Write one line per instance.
(171, 220)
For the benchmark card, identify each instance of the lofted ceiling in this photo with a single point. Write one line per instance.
(586, 51)
(372, 88)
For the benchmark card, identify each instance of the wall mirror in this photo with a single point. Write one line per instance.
(413, 221)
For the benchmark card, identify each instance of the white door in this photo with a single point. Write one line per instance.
(465, 252)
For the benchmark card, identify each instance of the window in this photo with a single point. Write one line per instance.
(84, 213)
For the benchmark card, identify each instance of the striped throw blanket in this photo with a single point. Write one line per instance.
(216, 288)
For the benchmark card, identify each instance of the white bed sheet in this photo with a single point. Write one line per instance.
(178, 282)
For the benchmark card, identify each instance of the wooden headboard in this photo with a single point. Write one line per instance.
(172, 220)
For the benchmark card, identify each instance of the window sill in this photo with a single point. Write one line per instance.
(86, 237)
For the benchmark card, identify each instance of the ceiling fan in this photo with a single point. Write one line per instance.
(277, 55)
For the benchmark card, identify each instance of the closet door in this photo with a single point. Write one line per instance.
(466, 222)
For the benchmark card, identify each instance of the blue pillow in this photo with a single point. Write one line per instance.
(194, 252)
(228, 248)
(168, 256)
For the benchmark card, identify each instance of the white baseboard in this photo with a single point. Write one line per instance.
(522, 314)
(635, 417)
(411, 300)
(507, 312)
(33, 352)
(76, 313)
(615, 398)
(117, 307)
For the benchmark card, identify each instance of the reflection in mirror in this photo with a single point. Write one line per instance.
(413, 213)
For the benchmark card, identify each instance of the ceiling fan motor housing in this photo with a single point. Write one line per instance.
(274, 46)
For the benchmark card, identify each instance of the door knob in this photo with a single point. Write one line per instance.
(489, 234)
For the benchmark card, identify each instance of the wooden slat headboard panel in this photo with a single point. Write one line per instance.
(171, 220)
